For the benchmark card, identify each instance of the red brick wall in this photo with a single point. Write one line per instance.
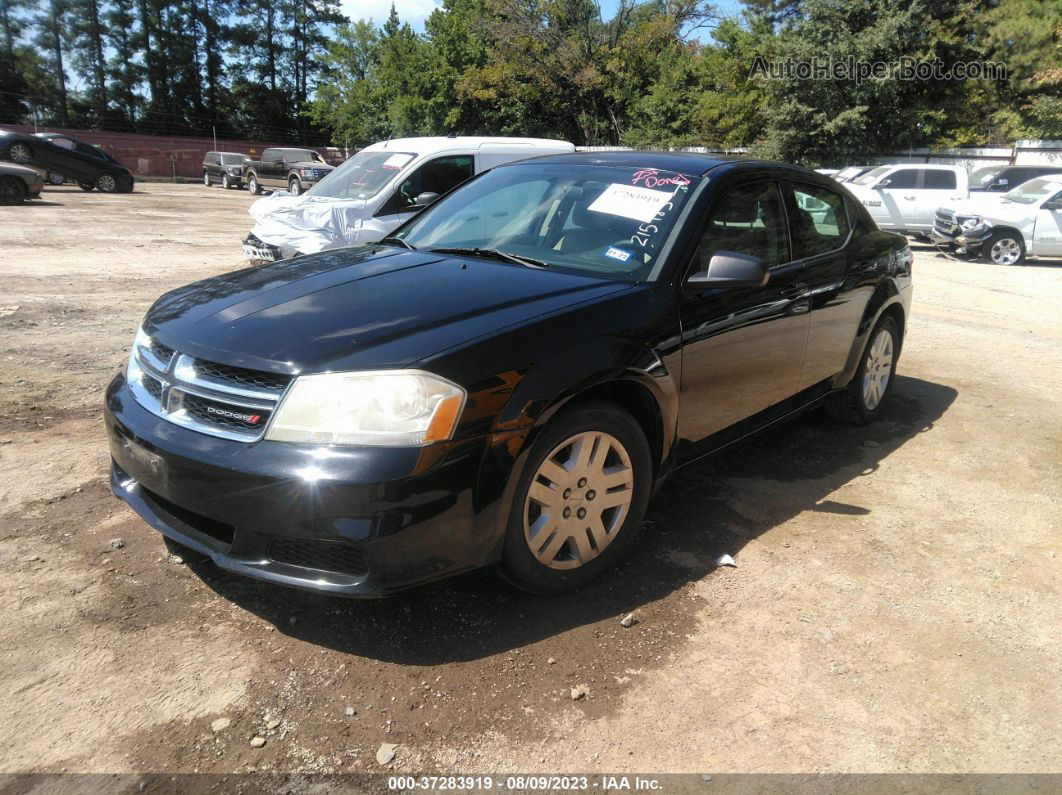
(165, 156)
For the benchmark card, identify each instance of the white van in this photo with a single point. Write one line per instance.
(904, 197)
(376, 190)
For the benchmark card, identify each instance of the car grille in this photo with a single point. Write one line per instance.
(212, 398)
(312, 553)
(944, 223)
(319, 173)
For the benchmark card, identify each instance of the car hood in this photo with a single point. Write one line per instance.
(22, 171)
(312, 164)
(986, 204)
(366, 307)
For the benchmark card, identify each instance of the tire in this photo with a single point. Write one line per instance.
(862, 401)
(225, 182)
(295, 186)
(55, 179)
(106, 183)
(20, 152)
(86, 186)
(252, 185)
(12, 190)
(1003, 248)
(206, 179)
(569, 555)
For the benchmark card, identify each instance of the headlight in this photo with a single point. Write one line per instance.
(383, 407)
(132, 370)
(306, 172)
(970, 223)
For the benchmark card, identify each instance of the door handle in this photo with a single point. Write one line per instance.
(910, 198)
(794, 290)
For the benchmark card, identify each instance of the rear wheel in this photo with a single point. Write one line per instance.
(862, 401)
(12, 190)
(580, 501)
(55, 179)
(20, 152)
(106, 183)
(252, 185)
(1003, 248)
(86, 185)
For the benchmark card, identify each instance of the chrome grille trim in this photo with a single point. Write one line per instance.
(179, 377)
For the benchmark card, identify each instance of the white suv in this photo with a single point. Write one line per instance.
(904, 197)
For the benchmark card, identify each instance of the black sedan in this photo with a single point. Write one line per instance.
(90, 167)
(508, 377)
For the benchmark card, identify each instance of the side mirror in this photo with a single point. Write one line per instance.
(883, 184)
(424, 199)
(730, 269)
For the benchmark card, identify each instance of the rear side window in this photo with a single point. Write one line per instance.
(904, 178)
(749, 220)
(940, 180)
(820, 223)
(269, 154)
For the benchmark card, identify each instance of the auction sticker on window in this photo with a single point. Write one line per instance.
(631, 201)
(397, 161)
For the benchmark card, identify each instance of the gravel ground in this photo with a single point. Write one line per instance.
(895, 606)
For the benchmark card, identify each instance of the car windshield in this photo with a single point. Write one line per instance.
(1035, 190)
(982, 177)
(362, 176)
(871, 176)
(609, 221)
(231, 160)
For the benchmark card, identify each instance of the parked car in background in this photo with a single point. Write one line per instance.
(1005, 228)
(292, 169)
(1000, 179)
(378, 189)
(508, 377)
(850, 173)
(18, 183)
(90, 167)
(904, 197)
(223, 167)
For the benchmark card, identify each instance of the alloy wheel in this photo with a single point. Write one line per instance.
(295, 188)
(20, 153)
(12, 190)
(578, 500)
(225, 182)
(1005, 251)
(878, 369)
(106, 183)
(206, 179)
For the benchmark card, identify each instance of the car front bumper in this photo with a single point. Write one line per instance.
(358, 521)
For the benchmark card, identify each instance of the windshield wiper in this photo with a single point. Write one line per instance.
(397, 241)
(492, 253)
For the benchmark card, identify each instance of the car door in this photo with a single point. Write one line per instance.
(742, 348)
(939, 187)
(899, 199)
(64, 159)
(836, 294)
(267, 167)
(438, 175)
(1047, 230)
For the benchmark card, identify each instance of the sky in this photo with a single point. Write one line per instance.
(416, 11)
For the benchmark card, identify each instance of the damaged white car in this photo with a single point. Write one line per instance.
(376, 191)
(1005, 228)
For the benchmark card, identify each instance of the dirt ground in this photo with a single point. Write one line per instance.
(896, 605)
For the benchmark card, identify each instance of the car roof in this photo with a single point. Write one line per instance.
(219, 152)
(690, 163)
(429, 144)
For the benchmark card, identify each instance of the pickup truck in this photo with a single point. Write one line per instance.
(1005, 228)
(291, 169)
(904, 197)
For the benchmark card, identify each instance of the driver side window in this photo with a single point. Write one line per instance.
(748, 220)
(436, 176)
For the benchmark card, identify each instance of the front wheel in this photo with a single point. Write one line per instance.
(295, 186)
(1003, 248)
(862, 401)
(106, 183)
(226, 183)
(206, 179)
(86, 186)
(579, 501)
(12, 190)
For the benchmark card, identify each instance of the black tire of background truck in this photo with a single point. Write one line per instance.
(206, 179)
(252, 185)
(295, 186)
